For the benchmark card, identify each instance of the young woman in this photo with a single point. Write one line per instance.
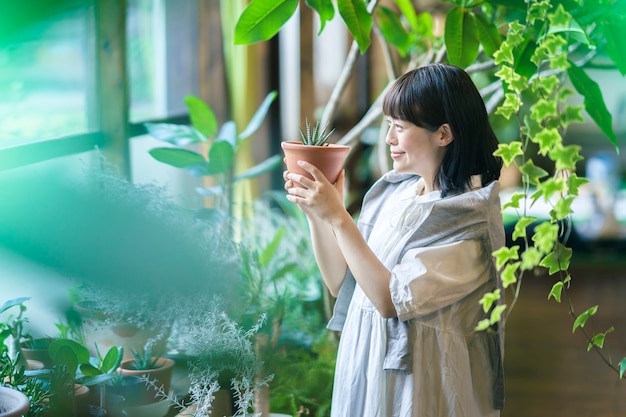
(408, 278)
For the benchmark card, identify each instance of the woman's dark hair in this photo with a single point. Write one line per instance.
(435, 94)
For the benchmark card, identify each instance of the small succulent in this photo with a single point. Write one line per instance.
(317, 137)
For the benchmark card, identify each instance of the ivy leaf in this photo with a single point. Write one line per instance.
(563, 22)
(546, 85)
(532, 172)
(510, 106)
(574, 183)
(496, 314)
(393, 31)
(201, 115)
(562, 208)
(571, 114)
(358, 20)
(565, 157)
(504, 255)
(581, 320)
(530, 258)
(509, 151)
(515, 200)
(556, 291)
(508, 274)
(593, 101)
(550, 187)
(558, 259)
(461, 37)
(488, 34)
(598, 340)
(545, 235)
(543, 109)
(519, 230)
(547, 139)
(324, 9)
(484, 325)
(262, 19)
(488, 299)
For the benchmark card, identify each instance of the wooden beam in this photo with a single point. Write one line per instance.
(112, 112)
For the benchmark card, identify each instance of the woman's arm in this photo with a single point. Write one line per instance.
(323, 204)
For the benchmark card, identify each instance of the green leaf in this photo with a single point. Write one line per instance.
(558, 259)
(89, 370)
(482, 325)
(408, 11)
(556, 291)
(565, 157)
(221, 157)
(267, 253)
(581, 320)
(201, 115)
(461, 37)
(550, 187)
(593, 101)
(563, 22)
(488, 34)
(545, 235)
(532, 172)
(496, 314)
(504, 255)
(508, 274)
(262, 19)
(179, 135)
(598, 340)
(516, 198)
(622, 368)
(519, 231)
(392, 30)
(112, 359)
(268, 165)
(531, 258)
(510, 106)
(258, 117)
(547, 139)
(179, 158)
(509, 151)
(13, 302)
(562, 208)
(574, 183)
(358, 21)
(324, 9)
(614, 30)
(488, 299)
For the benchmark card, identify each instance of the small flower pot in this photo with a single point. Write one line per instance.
(13, 403)
(329, 159)
(162, 374)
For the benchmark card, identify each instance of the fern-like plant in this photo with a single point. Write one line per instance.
(317, 137)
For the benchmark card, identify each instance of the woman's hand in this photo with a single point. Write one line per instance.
(318, 196)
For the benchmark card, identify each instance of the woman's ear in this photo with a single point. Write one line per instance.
(446, 135)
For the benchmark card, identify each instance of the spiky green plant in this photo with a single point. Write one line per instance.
(318, 137)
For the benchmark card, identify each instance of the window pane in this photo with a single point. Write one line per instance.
(45, 81)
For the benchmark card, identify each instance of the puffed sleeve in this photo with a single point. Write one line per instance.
(430, 278)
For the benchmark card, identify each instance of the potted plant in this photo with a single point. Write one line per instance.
(36, 349)
(13, 403)
(150, 366)
(314, 147)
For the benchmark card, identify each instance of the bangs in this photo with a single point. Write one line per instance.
(405, 100)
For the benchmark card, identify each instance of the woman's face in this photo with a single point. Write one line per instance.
(416, 150)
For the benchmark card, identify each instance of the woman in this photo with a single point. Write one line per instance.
(409, 279)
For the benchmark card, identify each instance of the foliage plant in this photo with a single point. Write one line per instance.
(317, 137)
(536, 56)
(145, 359)
(223, 144)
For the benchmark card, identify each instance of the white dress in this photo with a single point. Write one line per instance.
(435, 290)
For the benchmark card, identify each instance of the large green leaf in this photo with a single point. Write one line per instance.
(201, 115)
(392, 30)
(614, 29)
(594, 102)
(358, 21)
(221, 157)
(488, 34)
(258, 117)
(179, 135)
(262, 19)
(179, 158)
(324, 9)
(408, 11)
(461, 37)
(13, 302)
(228, 133)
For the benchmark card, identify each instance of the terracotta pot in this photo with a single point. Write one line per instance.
(13, 403)
(162, 374)
(38, 353)
(328, 159)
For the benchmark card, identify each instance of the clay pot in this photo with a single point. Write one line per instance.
(162, 374)
(328, 159)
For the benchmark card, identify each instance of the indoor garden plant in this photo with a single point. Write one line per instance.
(314, 148)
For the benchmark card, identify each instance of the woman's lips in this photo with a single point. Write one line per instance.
(396, 155)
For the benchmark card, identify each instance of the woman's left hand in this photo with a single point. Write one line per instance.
(318, 196)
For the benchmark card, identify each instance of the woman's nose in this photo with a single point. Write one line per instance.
(390, 138)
